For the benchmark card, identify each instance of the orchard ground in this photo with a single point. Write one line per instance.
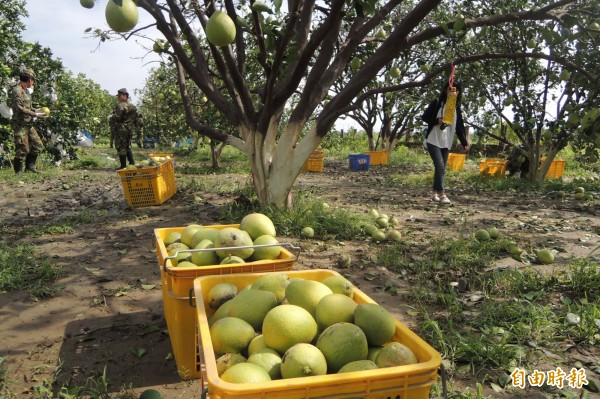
(107, 314)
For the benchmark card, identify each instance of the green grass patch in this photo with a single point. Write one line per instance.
(23, 268)
(308, 211)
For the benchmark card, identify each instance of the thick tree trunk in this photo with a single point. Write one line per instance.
(276, 167)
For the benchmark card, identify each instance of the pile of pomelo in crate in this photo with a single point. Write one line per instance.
(289, 315)
(258, 329)
(254, 240)
(305, 333)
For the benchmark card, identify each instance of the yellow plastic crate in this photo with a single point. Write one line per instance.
(177, 285)
(492, 167)
(378, 157)
(148, 186)
(456, 161)
(556, 169)
(313, 165)
(406, 382)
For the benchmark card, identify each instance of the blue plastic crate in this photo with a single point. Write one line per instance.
(359, 161)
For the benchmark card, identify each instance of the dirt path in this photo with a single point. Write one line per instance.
(107, 309)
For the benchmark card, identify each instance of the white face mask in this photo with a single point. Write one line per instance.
(30, 90)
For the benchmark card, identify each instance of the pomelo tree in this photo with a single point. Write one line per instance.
(543, 90)
(290, 57)
(81, 103)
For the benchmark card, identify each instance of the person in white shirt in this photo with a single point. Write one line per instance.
(440, 137)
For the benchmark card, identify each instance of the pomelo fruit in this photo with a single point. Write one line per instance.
(227, 360)
(394, 235)
(188, 232)
(306, 294)
(205, 258)
(230, 260)
(87, 3)
(378, 235)
(121, 17)
(244, 373)
(274, 282)
(45, 110)
(172, 238)
(395, 72)
(150, 393)
(376, 322)
(257, 224)
(395, 354)
(204, 233)
(220, 29)
(230, 335)
(369, 228)
(579, 196)
(175, 245)
(257, 344)
(268, 361)
(382, 222)
(494, 233)
(287, 325)
(334, 308)
(233, 237)
(266, 253)
(307, 232)
(221, 313)
(179, 256)
(186, 263)
(252, 306)
(373, 213)
(303, 360)
(339, 285)
(358, 365)
(545, 256)
(373, 352)
(579, 190)
(482, 235)
(341, 344)
(220, 293)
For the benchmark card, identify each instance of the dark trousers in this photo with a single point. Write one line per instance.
(439, 156)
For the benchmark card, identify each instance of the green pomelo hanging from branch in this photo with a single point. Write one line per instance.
(220, 29)
(121, 15)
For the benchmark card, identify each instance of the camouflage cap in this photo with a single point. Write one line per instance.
(122, 91)
(28, 72)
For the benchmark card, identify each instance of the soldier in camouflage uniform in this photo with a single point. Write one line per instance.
(124, 122)
(140, 129)
(28, 144)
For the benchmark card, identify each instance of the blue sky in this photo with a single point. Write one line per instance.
(60, 25)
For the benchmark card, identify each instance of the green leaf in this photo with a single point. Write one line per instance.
(444, 27)
(458, 24)
(139, 352)
(148, 286)
(149, 330)
(412, 313)
(169, 356)
(496, 387)
(122, 252)
(370, 276)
